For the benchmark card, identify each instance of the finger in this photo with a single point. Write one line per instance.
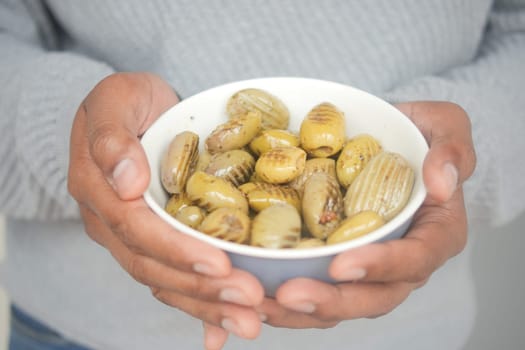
(437, 233)
(94, 227)
(238, 287)
(239, 320)
(451, 158)
(319, 304)
(277, 315)
(214, 337)
(158, 241)
(141, 229)
(118, 111)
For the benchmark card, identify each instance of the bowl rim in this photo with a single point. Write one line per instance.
(230, 247)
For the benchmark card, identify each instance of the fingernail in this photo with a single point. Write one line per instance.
(352, 274)
(450, 175)
(205, 269)
(124, 175)
(233, 295)
(304, 307)
(231, 326)
(262, 317)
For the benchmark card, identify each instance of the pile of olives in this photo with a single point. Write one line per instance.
(258, 183)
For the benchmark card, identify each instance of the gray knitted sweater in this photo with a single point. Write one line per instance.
(53, 52)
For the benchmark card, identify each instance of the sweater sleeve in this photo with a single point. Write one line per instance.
(42, 87)
(491, 90)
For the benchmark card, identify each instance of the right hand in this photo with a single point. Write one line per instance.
(108, 175)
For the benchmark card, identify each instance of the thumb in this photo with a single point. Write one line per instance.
(118, 111)
(451, 158)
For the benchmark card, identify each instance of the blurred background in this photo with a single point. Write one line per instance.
(499, 274)
(500, 282)
(3, 297)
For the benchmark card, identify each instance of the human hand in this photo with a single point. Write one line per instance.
(108, 175)
(386, 273)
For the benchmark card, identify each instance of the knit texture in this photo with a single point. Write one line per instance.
(54, 52)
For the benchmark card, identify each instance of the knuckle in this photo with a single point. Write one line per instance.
(194, 287)
(105, 140)
(127, 237)
(162, 296)
(122, 224)
(91, 231)
(92, 225)
(137, 268)
(155, 292)
(459, 109)
(424, 270)
(385, 266)
(472, 159)
(384, 309)
(324, 316)
(461, 241)
(122, 229)
(329, 316)
(419, 275)
(450, 109)
(113, 81)
(421, 283)
(131, 85)
(72, 188)
(423, 262)
(76, 177)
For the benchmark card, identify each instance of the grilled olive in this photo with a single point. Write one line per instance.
(383, 186)
(322, 132)
(211, 192)
(278, 226)
(273, 111)
(179, 161)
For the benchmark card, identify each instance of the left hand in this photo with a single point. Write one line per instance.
(382, 275)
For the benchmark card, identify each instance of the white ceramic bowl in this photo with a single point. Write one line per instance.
(364, 113)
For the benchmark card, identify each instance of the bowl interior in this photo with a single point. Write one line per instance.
(364, 113)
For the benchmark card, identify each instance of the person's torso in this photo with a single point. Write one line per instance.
(374, 45)
(196, 44)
